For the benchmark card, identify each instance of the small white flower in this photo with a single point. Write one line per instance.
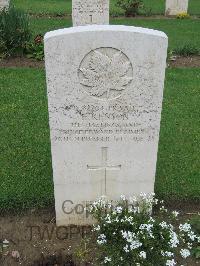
(163, 225)
(101, 239)
(170, 262)
(126, 249)
(96, 228)
(116, 219)
(192, 235)
(185, 253)
(136, 210)
(175, 213)
(143, 255)
(163, 209)
(167, 254)
(151, 220)
(108, 219)
(119, 209)
(123, 197)
(135, 244)
(174, 241)
(107, 259)
(148, 228)
(156, 201)
(143, 195)
(133, 199)
(5, 243)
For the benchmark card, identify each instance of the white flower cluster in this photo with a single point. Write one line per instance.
(167, 254)
(133, 241)
(185, 253)
(187, 230)
(147, 228)
(122, 222)
(174, 241)
(101, 239)
(99, 203)
(164, 225)
(185, 227)
(96, 228)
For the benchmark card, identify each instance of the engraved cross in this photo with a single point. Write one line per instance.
(104, 166)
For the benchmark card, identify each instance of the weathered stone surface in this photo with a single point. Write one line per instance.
(174, 7)
(4, 4)
(105, 90)
(90, 12)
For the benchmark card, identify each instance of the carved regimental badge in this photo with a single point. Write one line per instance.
(105, 73)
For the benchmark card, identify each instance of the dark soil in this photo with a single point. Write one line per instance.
(14, 62)
(176, 61)
(181, 61)
(39, 242)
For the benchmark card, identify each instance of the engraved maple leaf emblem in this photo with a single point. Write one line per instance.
(106, 74)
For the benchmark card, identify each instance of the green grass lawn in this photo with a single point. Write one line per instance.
(64, 6)
(26, 176)
(179, 31)
(26, 172)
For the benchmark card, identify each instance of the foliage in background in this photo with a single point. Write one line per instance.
(63, 7)
(35, 49)
(130, 7)
(14, 31)
(187, 50)
(139, 231)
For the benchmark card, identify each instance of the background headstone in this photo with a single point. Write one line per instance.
(90, 12)
(105, 95)
(4, 4)
(174, 7)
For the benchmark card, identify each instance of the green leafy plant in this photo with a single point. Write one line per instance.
(140, 231)
(187, 50)
(14, 31)
(130, 7)
(35, 49)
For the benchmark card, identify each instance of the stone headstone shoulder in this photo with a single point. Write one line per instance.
(174, 7)
(105, 90)
(90, 12)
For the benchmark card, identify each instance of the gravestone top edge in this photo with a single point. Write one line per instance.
(97, 28)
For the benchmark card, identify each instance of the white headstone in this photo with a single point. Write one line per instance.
(4, 4)
(174, 7)
(105, 90)
(86, 12)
